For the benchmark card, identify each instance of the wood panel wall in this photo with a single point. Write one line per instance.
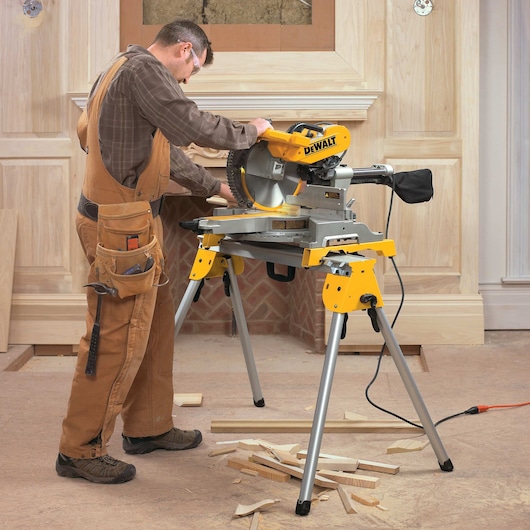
(46, 62)
(427, 116)
(406, 86)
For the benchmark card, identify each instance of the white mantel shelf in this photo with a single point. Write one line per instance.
(279, 106)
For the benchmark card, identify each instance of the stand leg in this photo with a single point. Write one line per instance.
(185, 304)
(244, 336)
(406, 375)
(303, 505)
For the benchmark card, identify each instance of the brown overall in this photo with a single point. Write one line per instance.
(134, 370)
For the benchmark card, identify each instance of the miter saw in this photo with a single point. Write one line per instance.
(291, 187)
(291, 190)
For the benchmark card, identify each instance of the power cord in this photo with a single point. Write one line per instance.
(380, 357)
(477, 409)
(402, 301)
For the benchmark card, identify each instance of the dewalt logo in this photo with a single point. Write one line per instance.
(326, 143)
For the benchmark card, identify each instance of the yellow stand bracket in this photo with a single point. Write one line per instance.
(342, 293)
(212, 264)
(313, 257)
(210, 240)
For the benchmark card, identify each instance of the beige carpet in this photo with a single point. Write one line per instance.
(488, 489)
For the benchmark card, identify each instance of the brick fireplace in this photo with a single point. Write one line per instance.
(271, 307)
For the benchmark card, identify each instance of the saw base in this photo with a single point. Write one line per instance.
(313, 229)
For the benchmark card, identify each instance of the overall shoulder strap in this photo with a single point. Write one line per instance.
(101, 90)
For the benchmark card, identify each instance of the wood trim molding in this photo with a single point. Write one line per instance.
(506, 306)
(343, 70)
(351, 107)
(459, 320)
(140, 25)
(47, 319)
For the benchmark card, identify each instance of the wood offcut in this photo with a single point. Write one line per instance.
(243, 509)
(365, 465)
(293, 471)
(406, 446)
(188, 399)
(346, 500)
(350, 479)
(305, 426)
(263, 471)
(223, 450)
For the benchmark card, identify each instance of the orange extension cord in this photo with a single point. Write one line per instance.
(482, 408)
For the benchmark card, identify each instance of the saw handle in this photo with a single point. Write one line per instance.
(285, 138)
(299, 127)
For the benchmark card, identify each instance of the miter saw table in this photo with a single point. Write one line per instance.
(293, 211)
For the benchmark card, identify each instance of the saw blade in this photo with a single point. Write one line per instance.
(260, 180)
(234, 167)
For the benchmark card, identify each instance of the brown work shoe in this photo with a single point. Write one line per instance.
(173, 440)
(101, 470)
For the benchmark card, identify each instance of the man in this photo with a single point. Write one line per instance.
(136, 115)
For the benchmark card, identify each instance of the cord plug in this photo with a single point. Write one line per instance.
(477, 409)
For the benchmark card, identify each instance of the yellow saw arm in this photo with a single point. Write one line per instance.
(307, 146)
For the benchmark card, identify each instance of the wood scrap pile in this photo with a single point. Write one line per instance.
(282, 462)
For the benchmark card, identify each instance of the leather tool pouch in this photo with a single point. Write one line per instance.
(128, 255)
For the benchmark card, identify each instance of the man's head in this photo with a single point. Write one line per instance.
(183, 48)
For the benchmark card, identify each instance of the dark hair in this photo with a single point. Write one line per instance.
(186, 31)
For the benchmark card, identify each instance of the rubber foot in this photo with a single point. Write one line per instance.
(303, 507)
(447, 466)
(260, 403)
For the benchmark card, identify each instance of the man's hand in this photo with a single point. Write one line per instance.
(226, 194)
(262, 125)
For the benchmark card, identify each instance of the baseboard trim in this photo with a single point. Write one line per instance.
(47, 318)
(430, 319)
(506, 306)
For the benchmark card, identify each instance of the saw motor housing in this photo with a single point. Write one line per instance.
(280, 164)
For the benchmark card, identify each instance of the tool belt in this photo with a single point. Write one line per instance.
(128, 254)
(90, 209)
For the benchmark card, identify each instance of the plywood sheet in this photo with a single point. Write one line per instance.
(8, 237)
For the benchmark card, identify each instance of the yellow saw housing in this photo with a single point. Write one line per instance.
(265, 174)
(306, 146)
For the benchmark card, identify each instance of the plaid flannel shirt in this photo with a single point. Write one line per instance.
(144, 97)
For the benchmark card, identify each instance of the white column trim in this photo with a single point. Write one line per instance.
(518, 174)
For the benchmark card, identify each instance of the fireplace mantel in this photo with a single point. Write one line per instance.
(280, 107)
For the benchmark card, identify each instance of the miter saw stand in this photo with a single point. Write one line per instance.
(314, 229)
(350, 285)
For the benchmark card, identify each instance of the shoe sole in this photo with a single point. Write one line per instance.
(72, 472)
(143, 448)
